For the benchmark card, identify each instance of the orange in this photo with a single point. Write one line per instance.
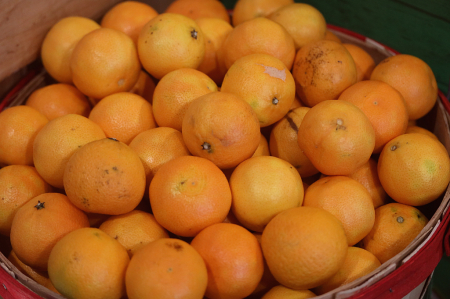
(57, 141)
(222, 128)
(358, 263)
(18, 184)
(233, 258)
(144, 87)
(59, 99)
(175, 91)
(245, 10)
(265, 83)
(261, 188)
(258, 35)
(19, 124)
(304, 22)
(363, 61)
(414, 169)
(418, 129)
(304, 247)
(105, 176)
(169, 42)
(123, 115)
(128, 17)
(282, 292)
(188, 194)
(383, 105)
(337, 137)
(348, 200)
(133, 230)
(87, 263)
(330, 35)
(59, 42)
(103, 62)
(195, 9)
(263, 147)
(322, 71)
(283, 142)
(396, 226)
(40, 223)
(413, 78)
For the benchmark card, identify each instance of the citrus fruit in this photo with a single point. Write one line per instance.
(282, 292)
(195, 9)
(363, 61)
(245, 10)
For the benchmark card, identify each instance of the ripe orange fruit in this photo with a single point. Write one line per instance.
(414, 169)
(166, 268)
(348, 200)
(261, 188)
(233, 258)
(169, 42)
(421, 130)
(263, 147)
(330, 35)
(59, 99)
(123, 115)
(304, 22)
(265, 83)
(221, 127)
(282, 292)
(304, 247)
(363, 61)
(245, 10)
(57, 141)
(383, 105)
(322, 71)
(413, 78)
(19, 124)
(105, 176)
(59, 42)
(103, 62)
(195, 9)
(144, 87)
(40, 223)
(396, 226)
(87, 263)
(358, 263)
(128, 17)
(175, 91)
(188, 194)
(18, 184)
(337, 137)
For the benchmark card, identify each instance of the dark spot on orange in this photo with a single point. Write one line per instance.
(40, 205)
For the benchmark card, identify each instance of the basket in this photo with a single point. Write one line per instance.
(407, 274)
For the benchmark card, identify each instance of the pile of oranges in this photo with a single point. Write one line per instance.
(190, 154)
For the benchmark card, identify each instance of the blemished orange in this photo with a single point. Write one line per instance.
(396, 226)
(363, 61)
(258, 35)
(330, 35)
(157, 146)
(383, 105)
(105, 61)
(348, 200)
(169, 42)
(283, 142)
(175, 91)
(188, 194)
(413, 78)
(233, 258)
(105, 176)
(87, 263)
(358, 263)
(128, 17)
(245, 10)
(337, 137)
(145, 86)
(57, 141)
(304, 22)
(133, 230)
(123, 115)
(59, 42)
(40, 223)
(195, 9)
(414, 169)
(304, 247)
(18, 184)
(421, 130)
(261, 188)
(282, 292)
(322, 71)
(19, 124)
(59, 99)
(265, 83)
(213, 129)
